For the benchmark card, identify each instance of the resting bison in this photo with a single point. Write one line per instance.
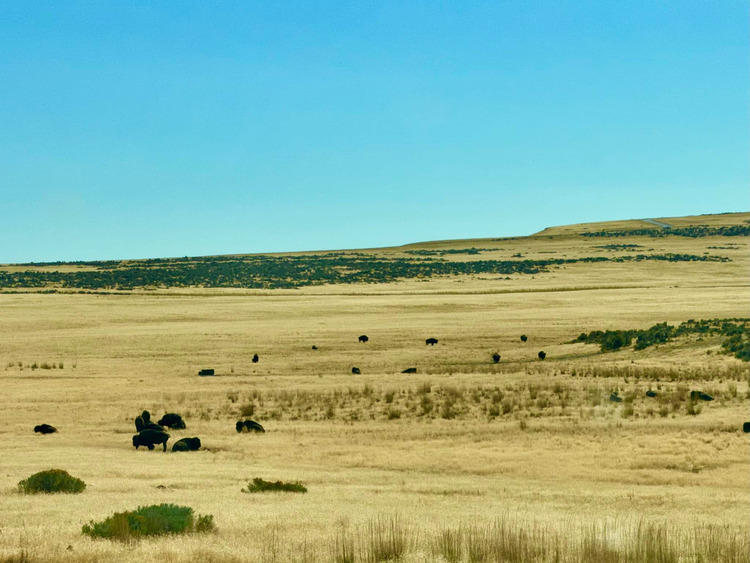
(410, 370)
(187, 445)
(524, 338)
(248, 426)
(700, 396)
(650, 393)
(614, 398)
(150, 438)
(255, 358)
(206, 372)
(746, 427)
(496, 357)
(356, 371)
(363, 338)
(45, 429)
(172, 420)
(314, 347)
(431, 341)
(542, 355)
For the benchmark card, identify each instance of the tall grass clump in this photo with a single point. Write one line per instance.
(154, 520)
(259, 485)
(386, 539)
(51, 481)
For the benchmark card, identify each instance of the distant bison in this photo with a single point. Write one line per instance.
(650, 393)
(142, 423)
(172, 420)
(45, 429)
(496, 357)
(255, 358)
(524, 338)
(542, 355)
(248, 426)
(700, 396)
(314, 347)
(410, 370)
(150, 438)
(746, 427)
(187, 445)
(146, 416)
(615, 398)
(431, 341)
(206, 372)
(356, 371)
(363, 338)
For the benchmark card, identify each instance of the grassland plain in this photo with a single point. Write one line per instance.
(464, 460)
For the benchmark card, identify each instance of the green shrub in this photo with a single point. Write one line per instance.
(51, 481)
(258, 485)
(154, 520)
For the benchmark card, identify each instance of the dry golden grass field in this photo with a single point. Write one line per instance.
(465, 460)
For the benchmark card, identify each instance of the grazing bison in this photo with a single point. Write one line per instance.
(431, 341)
(524, 338)
(255, 358)
(542, 355)
(248, 426)
(206, 372)
(356, 371)
(746, 427)
(410, 370)
(700, 396)
(363, 338)
(187, 445)
(496, 357)
(150, 438)
(615, 398)
(650, 393)
(45, 429)
(172, 420)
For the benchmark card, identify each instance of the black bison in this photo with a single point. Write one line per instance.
(146, 416)
(496, 357)
(150, 438)
(356, 371)
(650, 393)
(187, 445)
(746, 427)
(141, 424)
(700, 396)
(45, 429)
(249, 426)
(410, 370)
(314, 347)
(524, 338)
(255, 358)
(615, 398)
(542, 355)
(172, 420)
(206, 372)
(431, 341)
(363, 338)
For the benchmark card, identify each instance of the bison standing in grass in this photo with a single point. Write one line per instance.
(150, 438)
(542, 355)
(496, 357)
(431, 341)
(363, 338)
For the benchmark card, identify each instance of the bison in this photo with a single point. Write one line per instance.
(496, 357)
(615, 398)
(248, 426)
(150, 438)
(146, 416)
(410, 370)
(356, 371)
(542, 355)
(314, 347)
(700, 396)
(172, 420)
(524, 338)
(206, 372)
(650, 393)
(363, 338)
(45, 429)
(187, 445)
(746, 427)
(431, 341)
(255, 358)
(144, 423)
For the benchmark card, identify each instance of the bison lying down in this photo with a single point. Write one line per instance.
(248, 426)
(187, 445)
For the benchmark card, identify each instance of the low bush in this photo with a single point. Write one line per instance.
(154, 520)
(51, 481)
(258, 485)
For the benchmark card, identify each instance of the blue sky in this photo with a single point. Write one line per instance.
(156, 129)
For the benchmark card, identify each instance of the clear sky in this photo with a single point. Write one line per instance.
(157, 129)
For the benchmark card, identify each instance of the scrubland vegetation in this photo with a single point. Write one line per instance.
(464, 460)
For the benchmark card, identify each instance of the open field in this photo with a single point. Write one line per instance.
(440, 463)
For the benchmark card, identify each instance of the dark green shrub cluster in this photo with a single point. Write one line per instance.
(258, 485)
(738, 345)
(154, 520)
(696, 231)
(51, 481)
